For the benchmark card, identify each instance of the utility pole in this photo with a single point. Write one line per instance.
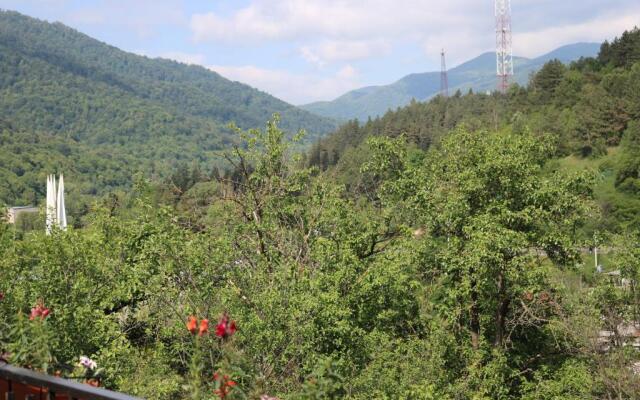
(504, 44)
(444, 80)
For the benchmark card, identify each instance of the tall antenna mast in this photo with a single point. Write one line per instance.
(504, 44)
(444, 80)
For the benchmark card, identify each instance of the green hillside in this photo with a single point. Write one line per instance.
(153, 113)
(477, 75)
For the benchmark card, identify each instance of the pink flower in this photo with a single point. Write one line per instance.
(39, 311)
(88, 363)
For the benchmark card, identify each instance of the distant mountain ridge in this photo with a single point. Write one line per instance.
(477, 74)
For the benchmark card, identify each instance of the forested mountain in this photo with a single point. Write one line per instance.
(61, 85)
(588, 107)
(477, 74)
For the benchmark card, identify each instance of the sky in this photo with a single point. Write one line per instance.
(309, 50)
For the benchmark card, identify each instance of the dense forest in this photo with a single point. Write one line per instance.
(439, 252)
(148, 115)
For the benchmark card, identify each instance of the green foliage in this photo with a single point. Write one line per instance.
(324, 382)
(623, 51)
(332, 294)
(547, 80)
(572, 381)
(628, 176)
(31, 343)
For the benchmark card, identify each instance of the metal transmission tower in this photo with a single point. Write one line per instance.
(444, 80)
(504, 50)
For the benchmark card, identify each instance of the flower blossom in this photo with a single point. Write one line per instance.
(39, 311)
(225, 328)
(192, 325)
(204, 327)
(88, 363)
(224, 385)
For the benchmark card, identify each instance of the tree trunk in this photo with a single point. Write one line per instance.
(501, 310)
(475, 317)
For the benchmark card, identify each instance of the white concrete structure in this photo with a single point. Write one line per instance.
(56, 214)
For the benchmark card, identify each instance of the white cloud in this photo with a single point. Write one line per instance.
(311, 56)
(347, 72)
(338, 31)
(187, 58)
(535, 43)
(328, 31)
(264, 20)
(291, 87)
(143, 17)
(344, 50)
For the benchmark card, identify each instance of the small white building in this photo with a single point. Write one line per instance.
(14, 212)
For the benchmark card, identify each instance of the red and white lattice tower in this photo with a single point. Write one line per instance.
(444, 79)
(504, 44)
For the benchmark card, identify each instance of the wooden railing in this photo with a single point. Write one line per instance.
(24, 384)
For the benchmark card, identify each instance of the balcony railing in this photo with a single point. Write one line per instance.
(23, 384)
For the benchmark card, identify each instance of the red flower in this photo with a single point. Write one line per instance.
(39, 311)
(204, 327)
(225, 329)
(232, 328)
(192, 325)
(1, 296)
(224, 385)
(221, 329)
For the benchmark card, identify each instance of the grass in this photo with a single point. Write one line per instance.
(620, 210)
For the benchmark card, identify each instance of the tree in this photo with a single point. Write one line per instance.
(623, 51)
(595, 111)
(488, 208)
(628, 176)
(547, 79)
